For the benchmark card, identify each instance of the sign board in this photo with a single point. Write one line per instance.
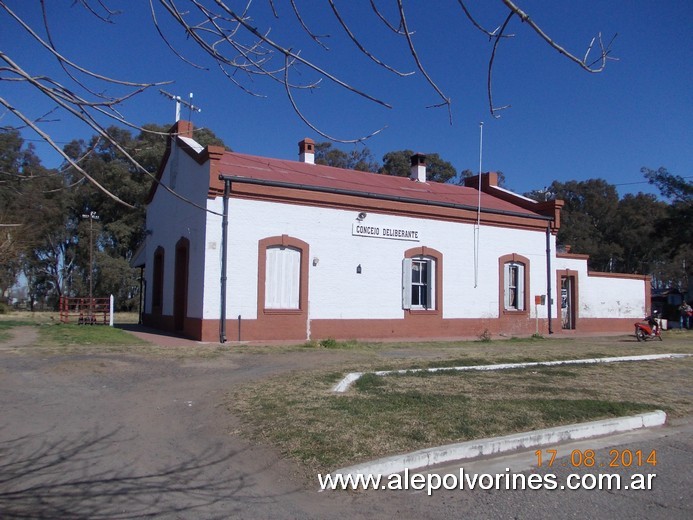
(360, 229)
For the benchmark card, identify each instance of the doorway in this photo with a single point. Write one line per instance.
(568, 302)
(180, 284)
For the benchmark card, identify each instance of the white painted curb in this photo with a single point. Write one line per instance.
(497, 445)
(350, 378)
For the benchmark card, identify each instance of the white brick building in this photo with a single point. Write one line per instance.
(316, 252)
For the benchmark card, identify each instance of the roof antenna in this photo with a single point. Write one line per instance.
(180, 102)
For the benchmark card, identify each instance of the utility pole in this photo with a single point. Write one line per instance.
(92, 216)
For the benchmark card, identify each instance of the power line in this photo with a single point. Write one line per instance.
(645, 182)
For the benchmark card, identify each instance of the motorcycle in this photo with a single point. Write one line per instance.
(648, 329)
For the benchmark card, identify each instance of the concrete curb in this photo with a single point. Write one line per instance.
(497, 445)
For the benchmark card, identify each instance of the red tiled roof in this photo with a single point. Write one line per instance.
(318, 176)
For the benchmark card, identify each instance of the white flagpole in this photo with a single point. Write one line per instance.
(477, 226)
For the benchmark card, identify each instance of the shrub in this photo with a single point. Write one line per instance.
(485, 336)
(328, 343)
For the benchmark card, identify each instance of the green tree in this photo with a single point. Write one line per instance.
(671, 186)
(119, 231)
(49, 238)
(356, 159)
(50, 264)
(588, 218)
(636, 234)
(30, 200)
(635, 229)
(399, 163)
(674, 228)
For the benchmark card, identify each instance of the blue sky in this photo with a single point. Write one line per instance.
(563, 123)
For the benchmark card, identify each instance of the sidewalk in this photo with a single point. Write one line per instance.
(159, 337)
(169, 339)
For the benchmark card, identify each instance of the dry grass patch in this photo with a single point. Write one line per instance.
(386, 415)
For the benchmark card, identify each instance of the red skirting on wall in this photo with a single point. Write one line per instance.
(413, 327)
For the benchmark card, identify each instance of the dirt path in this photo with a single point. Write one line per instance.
(128, 436)
(21, 337)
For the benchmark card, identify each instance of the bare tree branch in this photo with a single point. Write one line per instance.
(419, 65)
(246, 55)
(63, 59)
(604, 51)
(64, 101)
(289, 53)
(359, 45)
(310, 33)
(396, 30)
(89, 8)
(313, 127)
(498, 37)
(168, 44)
(490, 34)
(76, 166)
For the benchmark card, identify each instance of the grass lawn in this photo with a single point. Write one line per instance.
(53, 334)
(382, 416)
(55, 338)
(61, 335)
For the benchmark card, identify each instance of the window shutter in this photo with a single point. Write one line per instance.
(429, 284)
(406, 283)
(506, 286)
(291, 278)
(270, 275)
(520, 287)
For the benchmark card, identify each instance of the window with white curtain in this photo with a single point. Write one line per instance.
(282, 278)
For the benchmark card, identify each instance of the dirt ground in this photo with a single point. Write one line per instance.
(124, 435)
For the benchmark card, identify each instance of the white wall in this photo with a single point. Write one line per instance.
(612, 298)
(336, 291)
(169, 219)
(605, 297)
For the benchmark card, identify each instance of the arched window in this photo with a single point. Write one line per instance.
(422, 269)
(282, 278)
(283, 275)
(514, 286)
(419, 283)
(514, 283)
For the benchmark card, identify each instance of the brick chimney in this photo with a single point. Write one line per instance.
(182, 128)
(418, 167)
(306, 151)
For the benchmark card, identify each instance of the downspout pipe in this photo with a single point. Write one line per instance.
(548, 274)
(139, 320)
(224, 241)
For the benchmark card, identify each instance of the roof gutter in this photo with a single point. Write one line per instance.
(370, 195)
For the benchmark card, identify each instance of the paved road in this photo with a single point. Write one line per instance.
(670, 496)
(113, 436)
